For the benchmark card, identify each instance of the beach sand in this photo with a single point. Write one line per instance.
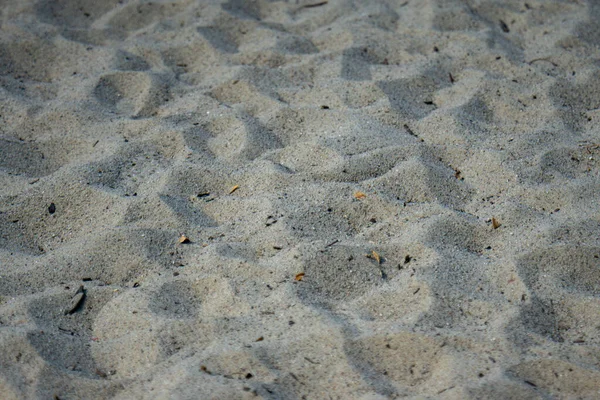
(300, 199)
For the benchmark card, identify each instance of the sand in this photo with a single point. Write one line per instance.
(299, 199)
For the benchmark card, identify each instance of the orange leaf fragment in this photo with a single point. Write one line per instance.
(375, 256)
(184, 239)
(359, 195)
(495, 223)
(233, 189)
(299, 276)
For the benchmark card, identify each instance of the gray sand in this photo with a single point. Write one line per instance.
(431, 167)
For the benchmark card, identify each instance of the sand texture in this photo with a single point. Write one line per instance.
(299, 199)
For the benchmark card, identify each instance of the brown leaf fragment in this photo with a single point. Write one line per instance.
(233, 189)
(359, 195)
(101, 373)
(260, 339)
(495, 223)
(205, 370)
(299, 276)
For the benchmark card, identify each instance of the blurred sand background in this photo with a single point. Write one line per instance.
(430, 167)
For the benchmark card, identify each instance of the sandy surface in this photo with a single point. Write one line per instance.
(430, 167)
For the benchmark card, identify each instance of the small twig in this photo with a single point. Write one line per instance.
(315, 4)
(542, 59)
(66, 331)
(294, 376)
(443, 390)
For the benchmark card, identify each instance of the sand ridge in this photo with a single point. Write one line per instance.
(388, 199)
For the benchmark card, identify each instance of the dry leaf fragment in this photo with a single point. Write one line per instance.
(260, 339)
(359, 195)
(233, 189)
(495, 223)
(184, 239)
(101, 373)
(299, 276)
(205, 370)
(76, 301)
(375, 256)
